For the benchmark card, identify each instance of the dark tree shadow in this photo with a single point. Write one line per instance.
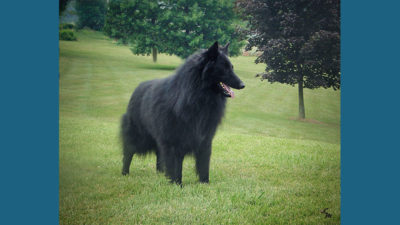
(157, 67)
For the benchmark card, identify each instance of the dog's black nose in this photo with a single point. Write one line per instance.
(241, 85)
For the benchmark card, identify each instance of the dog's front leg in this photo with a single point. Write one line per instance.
(173, 164)
(203, 163)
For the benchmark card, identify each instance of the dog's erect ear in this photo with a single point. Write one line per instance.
(225, 49)
(212, 52)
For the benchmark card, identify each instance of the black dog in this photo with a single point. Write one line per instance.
(179, 114)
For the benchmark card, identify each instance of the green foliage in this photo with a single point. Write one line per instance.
(139, 23)
(121, 15)
(67, 26)
(300, 40)
(67, 35)
(62, 4)
(91, 13)
(198, 24)
(177, 27)
(265, 167)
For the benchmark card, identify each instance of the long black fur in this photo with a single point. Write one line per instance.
(179, 115)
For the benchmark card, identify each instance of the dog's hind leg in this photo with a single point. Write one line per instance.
(159, 163)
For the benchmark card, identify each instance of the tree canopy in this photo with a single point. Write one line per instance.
(62, 4)
(139, 23)
(198, 24)
(177, 27)
(299, 41)
(91, 13)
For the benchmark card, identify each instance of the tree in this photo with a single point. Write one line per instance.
(139, 23)
(62, 4)
(299, 41)
(177, 27)
(198, 24)
(91, 13)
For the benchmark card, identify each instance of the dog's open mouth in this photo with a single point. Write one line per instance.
(226, 90)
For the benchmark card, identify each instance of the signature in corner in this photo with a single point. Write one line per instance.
(327, 215)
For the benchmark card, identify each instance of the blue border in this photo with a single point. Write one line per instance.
(29, 112)
(370, 112)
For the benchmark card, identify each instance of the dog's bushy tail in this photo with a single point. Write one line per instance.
(127, 147)
(126, 135)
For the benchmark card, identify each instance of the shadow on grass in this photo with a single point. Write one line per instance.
(157, 67)
(307, 120)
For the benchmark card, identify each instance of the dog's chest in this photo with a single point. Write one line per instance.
(204, 122)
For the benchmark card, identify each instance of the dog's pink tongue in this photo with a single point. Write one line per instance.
(232, 93)
(228, 89)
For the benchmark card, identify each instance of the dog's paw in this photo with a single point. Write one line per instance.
(124, 173)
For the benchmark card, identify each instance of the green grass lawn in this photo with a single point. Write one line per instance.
(266, 167)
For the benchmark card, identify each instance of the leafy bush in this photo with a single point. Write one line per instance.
(67, 26)
(67, 35)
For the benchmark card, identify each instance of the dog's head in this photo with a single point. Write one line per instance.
(219, 70)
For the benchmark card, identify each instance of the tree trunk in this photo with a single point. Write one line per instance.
(302, 113)
(154, 53)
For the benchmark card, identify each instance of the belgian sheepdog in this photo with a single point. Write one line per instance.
(179, 115)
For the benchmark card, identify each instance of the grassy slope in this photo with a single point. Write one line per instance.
(265, 168)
